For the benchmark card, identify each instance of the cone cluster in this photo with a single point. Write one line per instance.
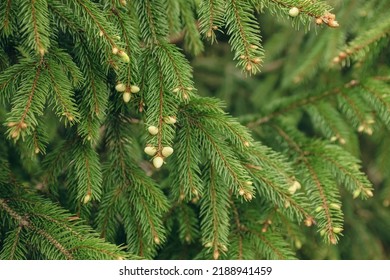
(126, 91)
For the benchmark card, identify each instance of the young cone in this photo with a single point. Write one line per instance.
(134, 89)
(167, 151)
(120, 87)
(126, 97)
(293, 12)
(158, 162)
(153, 130)
(151, 151)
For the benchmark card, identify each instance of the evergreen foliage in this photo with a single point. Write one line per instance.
(113, 148)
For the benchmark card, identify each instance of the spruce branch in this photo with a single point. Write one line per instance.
(180, 79)
(87, 177)
(211, 14)
(352, 107)
(292, 230)
(11, 76)
(326, 119)
(153, 21)
(173, 13)
(244, 35)
(128, 25)
(63, 94)
(347, 175)
(163, 93)
(376, 36)
(50, 240)
(28, 102)
(159, 105)
(95, 20)
(318, 10)
(226, 160)
(352, 100)
(14, 248)
(320, 189)
(269, 245)
(129, 194)
(376, 93)
(38, 141)
(92, 95)
(35, 23)
(185, 181)
(188, 224)
(55, 164)
(229, 166)
(32, 92)
(214, 207)
(68, 66)
(107, 222)
(192, 40)
(6, 16)
(270, 189)
(47, 227)
(63, 16)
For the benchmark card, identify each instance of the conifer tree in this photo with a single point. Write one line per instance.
(115, 143)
